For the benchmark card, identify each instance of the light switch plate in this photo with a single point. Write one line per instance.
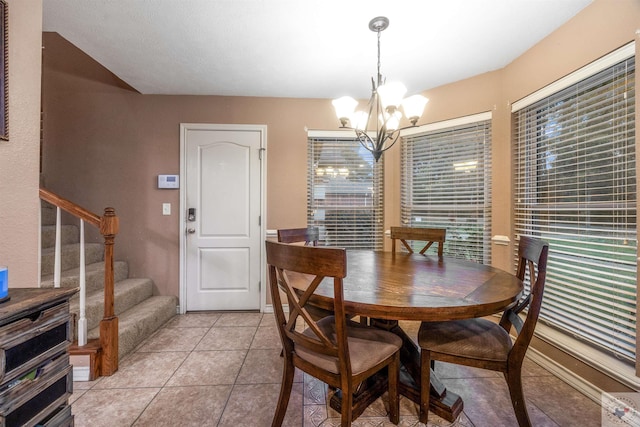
(166, 209)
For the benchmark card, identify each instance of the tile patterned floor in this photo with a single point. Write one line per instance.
(224, 369)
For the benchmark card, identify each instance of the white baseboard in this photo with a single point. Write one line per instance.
(569, 377)
(81, 373)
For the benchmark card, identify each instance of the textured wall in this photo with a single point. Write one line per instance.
(20, 156)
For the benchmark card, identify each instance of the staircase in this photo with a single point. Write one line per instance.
(139, 312)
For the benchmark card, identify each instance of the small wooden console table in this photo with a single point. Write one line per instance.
(36, 378)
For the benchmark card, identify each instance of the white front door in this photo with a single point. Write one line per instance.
(222, 207)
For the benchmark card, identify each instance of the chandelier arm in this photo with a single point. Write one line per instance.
(393, 137)
(365, 140)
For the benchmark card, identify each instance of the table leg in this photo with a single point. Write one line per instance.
(443, 402)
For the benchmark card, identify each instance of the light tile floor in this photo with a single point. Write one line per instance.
(224, 369)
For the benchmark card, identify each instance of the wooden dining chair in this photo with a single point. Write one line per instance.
(335, 350)
(485, 344)
(429, 235)
(309, 235)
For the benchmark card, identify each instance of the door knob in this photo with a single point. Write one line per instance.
(191, 230)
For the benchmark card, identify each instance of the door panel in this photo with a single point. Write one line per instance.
(227, 205)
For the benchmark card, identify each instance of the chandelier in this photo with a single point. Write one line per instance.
(383, 111)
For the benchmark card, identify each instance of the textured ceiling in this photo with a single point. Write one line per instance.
(301, 48)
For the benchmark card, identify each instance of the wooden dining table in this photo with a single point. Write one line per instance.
(387, 287)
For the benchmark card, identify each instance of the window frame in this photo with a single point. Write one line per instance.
(408, 203)
(585, 351)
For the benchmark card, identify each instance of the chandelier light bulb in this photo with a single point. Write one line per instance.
(392, 120)
(413, 107)
(359, 120)
(344, 108)
(391, 94)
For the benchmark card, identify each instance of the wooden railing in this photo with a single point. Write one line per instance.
(108, 225)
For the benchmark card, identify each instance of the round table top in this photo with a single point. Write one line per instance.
(405, 286)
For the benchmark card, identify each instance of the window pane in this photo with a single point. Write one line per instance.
(344, 194)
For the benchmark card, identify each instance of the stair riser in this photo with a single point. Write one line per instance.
(68, 234)
(47, 214)
(94, 278)
(70, 257)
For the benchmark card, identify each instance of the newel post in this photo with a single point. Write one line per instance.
(109, 227)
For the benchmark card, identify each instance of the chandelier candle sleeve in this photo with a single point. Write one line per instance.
(383, 115)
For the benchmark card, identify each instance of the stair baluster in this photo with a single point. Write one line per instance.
(82, 318)
(57, 257)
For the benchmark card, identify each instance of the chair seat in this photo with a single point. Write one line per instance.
(367, 346)
(470, 338)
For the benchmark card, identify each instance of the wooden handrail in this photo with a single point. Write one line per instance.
(109, 225)
(72, 208)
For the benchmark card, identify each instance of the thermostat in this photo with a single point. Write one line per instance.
(168, 181)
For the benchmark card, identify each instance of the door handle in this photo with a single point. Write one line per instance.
(191, 230)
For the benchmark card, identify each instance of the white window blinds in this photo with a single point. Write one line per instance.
(575, 187)
(344, 193)
(446, 183)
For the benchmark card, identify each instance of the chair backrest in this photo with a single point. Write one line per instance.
(532, 256)
(309, 235)
(429, 235)
(315, 263)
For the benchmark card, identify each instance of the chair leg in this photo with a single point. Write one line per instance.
(394, 400)
(347, 406)
(514, 381)
(425, 381)
(285, 392)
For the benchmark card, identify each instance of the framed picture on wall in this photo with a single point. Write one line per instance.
(4, 71)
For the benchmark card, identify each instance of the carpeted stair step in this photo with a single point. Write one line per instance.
(94, 276)
(139, 322)
(68, 234)
(93, 252)
(127, 293)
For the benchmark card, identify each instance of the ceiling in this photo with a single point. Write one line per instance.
(301, 48)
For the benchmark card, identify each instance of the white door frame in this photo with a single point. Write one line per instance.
(184, 127)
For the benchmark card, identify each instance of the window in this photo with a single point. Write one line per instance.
(344, 193)
(445, 175)
(575, 187)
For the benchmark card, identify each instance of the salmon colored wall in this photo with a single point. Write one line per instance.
(19, 156)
